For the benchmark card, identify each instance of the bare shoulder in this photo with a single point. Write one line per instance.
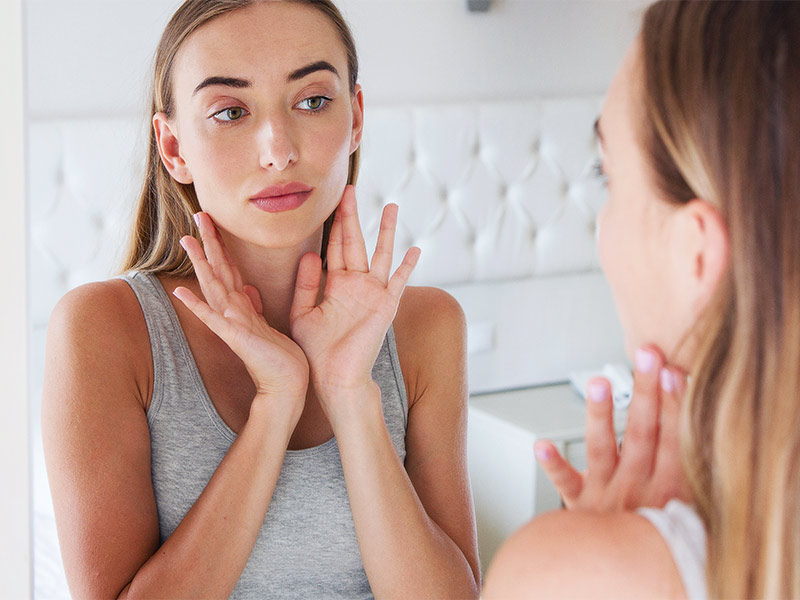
(99, 327)
(584, 554)
(430, 333)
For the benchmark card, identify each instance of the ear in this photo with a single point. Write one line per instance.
(358, 118)
(169, 149)
(704, 252)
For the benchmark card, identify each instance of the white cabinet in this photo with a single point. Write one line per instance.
(508, 486)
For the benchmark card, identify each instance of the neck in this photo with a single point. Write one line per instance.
(273, 272)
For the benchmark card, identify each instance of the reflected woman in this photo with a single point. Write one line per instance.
(699, 240)
(269, 414)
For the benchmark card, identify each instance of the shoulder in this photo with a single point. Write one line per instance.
(99, 328)
(108, 308)
(430, 333)
(584, 554)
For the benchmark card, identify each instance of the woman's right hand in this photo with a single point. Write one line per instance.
(233, 311)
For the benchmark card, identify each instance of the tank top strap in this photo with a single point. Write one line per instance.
(170, 350)
(685, 535)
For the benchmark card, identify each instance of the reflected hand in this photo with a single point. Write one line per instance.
(342, 335)
(233, 311)
(647, 471)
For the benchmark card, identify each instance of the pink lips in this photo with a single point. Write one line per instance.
(280, 198)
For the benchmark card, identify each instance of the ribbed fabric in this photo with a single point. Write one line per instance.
(307, 546)
(685, 535)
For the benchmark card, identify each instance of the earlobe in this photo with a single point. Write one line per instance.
(358, 118)
(169, 149)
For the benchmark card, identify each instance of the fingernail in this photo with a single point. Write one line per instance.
(180, 241)
(543, 453)
(668, 383)
(196, 218)
(597, 391)
(645, 360)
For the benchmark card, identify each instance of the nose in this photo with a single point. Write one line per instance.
(277, 149)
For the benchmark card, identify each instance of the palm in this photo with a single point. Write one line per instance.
(341, 336)
(232, 310)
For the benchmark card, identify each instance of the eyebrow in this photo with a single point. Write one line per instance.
(320, 65)
(227, 81)
(235, 82)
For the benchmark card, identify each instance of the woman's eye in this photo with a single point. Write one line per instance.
(234, 113)
(314, 103)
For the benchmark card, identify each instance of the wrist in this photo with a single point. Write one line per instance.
(350, 406)
(278, 414)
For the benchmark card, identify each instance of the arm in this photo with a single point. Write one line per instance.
(414, 525)
(97, 385)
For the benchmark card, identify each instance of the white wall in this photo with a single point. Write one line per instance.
(91, 57)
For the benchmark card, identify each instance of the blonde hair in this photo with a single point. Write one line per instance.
(722, 123)
(165, 207)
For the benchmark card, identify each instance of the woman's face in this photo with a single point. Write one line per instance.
(638, 230)
(265, 122)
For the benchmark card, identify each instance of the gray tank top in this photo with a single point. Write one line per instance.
(307, 546)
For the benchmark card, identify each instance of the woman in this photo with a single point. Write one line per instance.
(701, 134)
(299, 436)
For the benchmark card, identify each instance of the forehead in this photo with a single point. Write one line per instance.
(266, 40)
(622, 107)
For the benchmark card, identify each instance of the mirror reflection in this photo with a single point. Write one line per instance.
(280, 382)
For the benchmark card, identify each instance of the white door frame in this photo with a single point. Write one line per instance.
(15, 496)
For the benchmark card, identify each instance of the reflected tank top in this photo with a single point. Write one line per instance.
(307, 545)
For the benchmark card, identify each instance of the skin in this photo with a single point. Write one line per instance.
(286, 359)
(663, 262)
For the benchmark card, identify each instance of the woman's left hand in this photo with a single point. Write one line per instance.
(342, 334)
(647, 471)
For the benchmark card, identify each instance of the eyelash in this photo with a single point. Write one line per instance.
(326, 102)
(228, 121)
(599, 173)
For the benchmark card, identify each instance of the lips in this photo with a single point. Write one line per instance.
(280, 198)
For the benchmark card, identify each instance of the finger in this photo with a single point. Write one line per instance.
(353, 247)
(384, 249)
(398, 281)
(669, 478)
(212, 247)
(214, 291)
(565, 478)
(334, 254)
(237, 275)
(212, 319)
(641, 429)
(306, 289)
(255, 298)
(601, 441)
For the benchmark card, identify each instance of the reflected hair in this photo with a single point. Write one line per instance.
(163, 214)
(722, 122)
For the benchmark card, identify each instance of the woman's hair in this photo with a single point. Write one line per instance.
(165, 207)
(722, 123)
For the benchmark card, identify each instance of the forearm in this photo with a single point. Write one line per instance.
(207, 552)
(405, 553)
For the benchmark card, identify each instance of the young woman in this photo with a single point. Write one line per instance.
(701, 139)
(302, 435)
